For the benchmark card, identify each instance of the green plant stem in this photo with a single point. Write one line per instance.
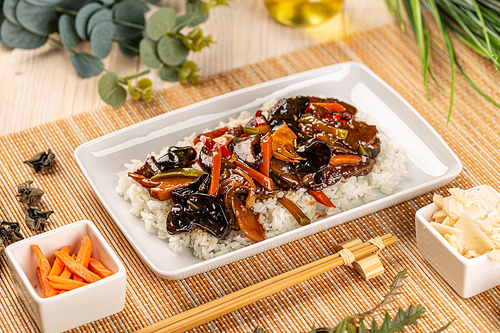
(124, 79)
(125, 45)
(55, 41)
(78, 54)
(128, 24)
(59, 9)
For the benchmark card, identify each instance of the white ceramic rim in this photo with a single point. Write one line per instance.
(442, 240)
(291, 235)
(11, 247)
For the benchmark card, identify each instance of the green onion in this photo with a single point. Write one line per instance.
(476, 23)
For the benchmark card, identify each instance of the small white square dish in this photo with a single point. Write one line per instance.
(76, 307)
(468, 277)
(429, 160)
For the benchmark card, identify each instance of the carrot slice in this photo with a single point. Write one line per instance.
(216, 168)
(76, 268)
(345, 159)
(44, 268)
(58, 266)
(266, 151)
(332, 107)
(61, 283)
(57, 269)
(83, 256)
(66, 273)
(260, 178)
(45, 287)
(97, 267)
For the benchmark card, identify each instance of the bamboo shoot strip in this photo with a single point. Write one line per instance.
(203, 313)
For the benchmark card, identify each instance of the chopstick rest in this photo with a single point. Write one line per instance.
(368, 267)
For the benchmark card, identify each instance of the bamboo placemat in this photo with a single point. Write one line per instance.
(473, 134)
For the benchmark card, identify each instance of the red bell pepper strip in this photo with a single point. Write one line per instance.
(266, 152)
(308, 108)
(216, 168)
(337, 160)
(321, 197)
(211, 145)
(212, 135)
(258, 119)
(257, 176)
(332, 107)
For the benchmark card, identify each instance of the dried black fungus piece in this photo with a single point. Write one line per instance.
(176, 157)
(36, 218)
(199, 210)
(248, 149)
(9, 231)
(42, 160)
(288, 111)
(317, 155)
(200, 185)
(28, 195)
(149, 168)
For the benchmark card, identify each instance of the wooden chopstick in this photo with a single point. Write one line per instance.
(203, 313)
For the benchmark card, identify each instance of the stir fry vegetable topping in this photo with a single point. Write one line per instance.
(305, 142)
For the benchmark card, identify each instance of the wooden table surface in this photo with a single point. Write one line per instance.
(39, 86)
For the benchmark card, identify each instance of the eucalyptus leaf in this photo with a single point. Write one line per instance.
(172, 51)
(101, 38)
(183, 21)
(168, 74)
(147, 50)
(17, 37)
(130, 43)
(9, 10)
(195, 7)
(75, 5)
(67, 31)
(38, 20)
(160, 23)
(110, 90)
(2, 17)
(129, 11)
(84, 64)
(107, 2)
(142, 6)
(82, 18)
(102, 15)
(42, 3)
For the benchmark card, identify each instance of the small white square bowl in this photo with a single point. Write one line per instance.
(468, 277)
(77, 307)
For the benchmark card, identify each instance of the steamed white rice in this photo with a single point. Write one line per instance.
(346, 194)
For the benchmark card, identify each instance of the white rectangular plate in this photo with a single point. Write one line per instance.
(430, 162)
